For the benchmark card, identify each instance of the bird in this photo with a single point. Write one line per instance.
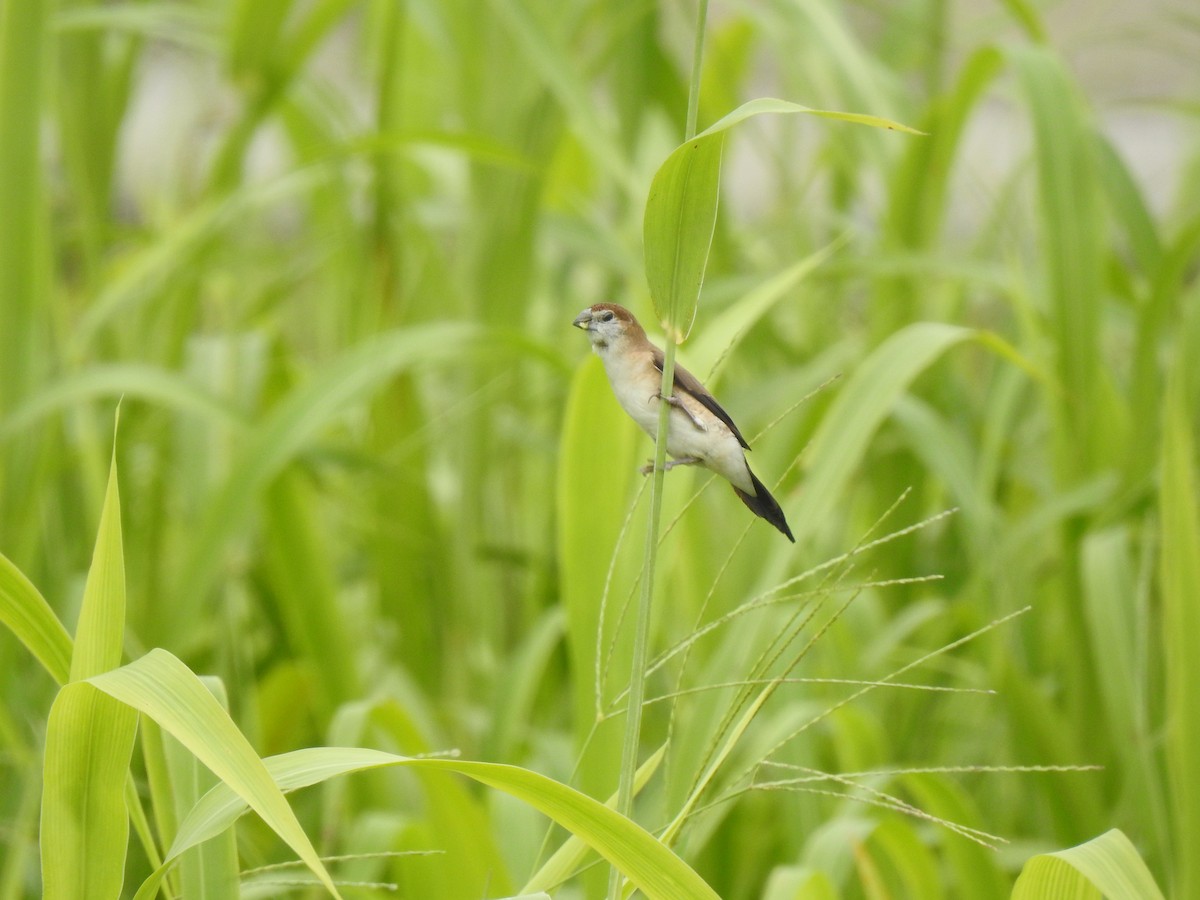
(700, 432)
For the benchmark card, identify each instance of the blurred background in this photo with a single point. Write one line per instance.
(326, 254)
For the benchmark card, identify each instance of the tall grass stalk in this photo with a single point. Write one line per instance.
(641, 641)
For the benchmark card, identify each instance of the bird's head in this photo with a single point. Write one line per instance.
(608, 324)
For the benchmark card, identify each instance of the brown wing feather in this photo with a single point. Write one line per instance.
(688, 383)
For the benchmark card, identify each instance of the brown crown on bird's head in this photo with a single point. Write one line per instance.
(616, 309)
(608, 313)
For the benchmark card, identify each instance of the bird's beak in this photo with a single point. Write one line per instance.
(584, 320)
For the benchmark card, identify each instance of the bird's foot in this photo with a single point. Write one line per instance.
(678, 404)
(672, 463)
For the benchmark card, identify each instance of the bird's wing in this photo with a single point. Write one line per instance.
(688, 383)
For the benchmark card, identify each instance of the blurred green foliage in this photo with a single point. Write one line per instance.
(328, 253)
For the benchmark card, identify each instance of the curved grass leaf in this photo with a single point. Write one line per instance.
(147, 382)
(101, 630)
(681, 210)
(868, 397)
(1107, 866)
(158, 685)
(648, 863)
(681, 216)
(25, 612)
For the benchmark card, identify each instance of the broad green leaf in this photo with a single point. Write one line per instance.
(1180, 580)
(85, 825)
(644, 860)
(681, 216)
(681, 211)
(101, 630)
(177, 780)
(160, 686)
(25, 612)
(870, 392)
(1106, 867)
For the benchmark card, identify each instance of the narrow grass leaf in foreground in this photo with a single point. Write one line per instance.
(1107, 866)
(89, 738)
(648, 863)
(101, 629)
(85, 825)
(160, 686)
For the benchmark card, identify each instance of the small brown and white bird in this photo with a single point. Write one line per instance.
(700, 432)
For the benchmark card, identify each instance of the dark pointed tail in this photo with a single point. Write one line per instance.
(763, 505)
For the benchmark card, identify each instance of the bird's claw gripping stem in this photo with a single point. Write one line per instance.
(679, 405)
(671, 463)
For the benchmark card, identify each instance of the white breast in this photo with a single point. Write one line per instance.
(636, 385)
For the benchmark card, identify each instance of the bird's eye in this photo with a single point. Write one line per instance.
(606, 317)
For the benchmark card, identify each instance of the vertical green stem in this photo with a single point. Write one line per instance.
(641, 638)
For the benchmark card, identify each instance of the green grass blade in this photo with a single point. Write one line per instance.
(567, 859)
(1072, 248)
(23, 47)
(85, 825)
(1180, 579)
(870, 392)
(681, 216)
(100, 634)
(1107, 866)
(25, 612)
(649, 864)
(159, 686)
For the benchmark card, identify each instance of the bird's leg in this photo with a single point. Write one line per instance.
(672, 463)
(678, 404)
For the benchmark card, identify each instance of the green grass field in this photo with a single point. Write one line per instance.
(368, 489)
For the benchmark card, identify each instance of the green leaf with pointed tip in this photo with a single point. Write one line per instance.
(681, 210)
(681, 216)
(761, 105)
(1107, 866)
(160, 686)
(644, 860)
(101, 629)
